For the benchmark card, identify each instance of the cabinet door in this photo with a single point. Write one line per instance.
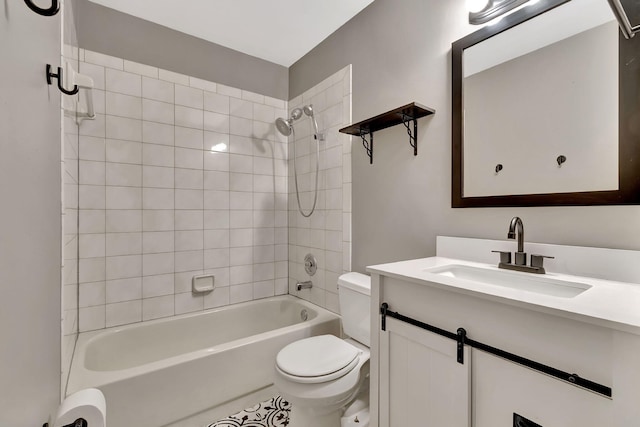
(421, 382)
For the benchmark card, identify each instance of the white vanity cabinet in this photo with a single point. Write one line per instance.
(416, 379)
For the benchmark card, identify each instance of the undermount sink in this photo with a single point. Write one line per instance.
(514, 280)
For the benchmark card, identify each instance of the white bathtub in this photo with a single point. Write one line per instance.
(158, 372)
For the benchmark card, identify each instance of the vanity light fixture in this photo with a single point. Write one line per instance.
(483, 11)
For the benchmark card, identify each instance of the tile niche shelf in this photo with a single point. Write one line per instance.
(405, 115)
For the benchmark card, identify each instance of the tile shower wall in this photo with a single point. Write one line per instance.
(327, 232)
(177, 177)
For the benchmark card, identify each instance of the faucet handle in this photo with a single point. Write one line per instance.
(505, 256)
(538, 260)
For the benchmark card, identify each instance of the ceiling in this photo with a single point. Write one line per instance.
(280, 31)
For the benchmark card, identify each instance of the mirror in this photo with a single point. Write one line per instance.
(545, 110)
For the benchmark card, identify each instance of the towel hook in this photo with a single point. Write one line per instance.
(55, 7)
(58, 76)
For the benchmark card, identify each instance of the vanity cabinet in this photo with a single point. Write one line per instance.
(416, 378)
(421, 383)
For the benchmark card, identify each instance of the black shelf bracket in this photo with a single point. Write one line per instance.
(58, 76)
(368, 145)
(461, 340)
(413, 136)
(54, 9)
(405, 115)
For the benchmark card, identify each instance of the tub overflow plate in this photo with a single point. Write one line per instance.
(310, 264)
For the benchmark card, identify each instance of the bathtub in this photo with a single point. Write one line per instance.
(158, 372)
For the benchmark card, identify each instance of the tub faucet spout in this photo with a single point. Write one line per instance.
(304, 285)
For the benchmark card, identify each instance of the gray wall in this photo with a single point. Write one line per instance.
(114, 33)
(30, 218)
(400, 53)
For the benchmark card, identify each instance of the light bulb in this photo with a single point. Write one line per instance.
(475, 6)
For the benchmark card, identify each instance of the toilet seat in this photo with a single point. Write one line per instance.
(317, 359)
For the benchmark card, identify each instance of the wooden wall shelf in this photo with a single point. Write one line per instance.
(405, 115)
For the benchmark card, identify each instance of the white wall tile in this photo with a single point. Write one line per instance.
(216, 122)
(120, 174)
(189, 261)
(123, 82)
(141, 69)
(154, 264)
(229, 91)
(157, 220)
(121, 290)
(216, 103)
(189, 199)
(158, 198)
(240, 293)
(91, 245)
(160, 285)
(123, 244)
(241, 108)
(158, 242)
(189, 220)
(104, 60)
(157, 111)
(240, 126)
(92, 173)
(216, 219)
(123, 221)
(91, 196)
(252, 96)
(123, 313)
(216, 239)
(187, 303)
(122, 267)
(124, 198)
(123, 128)
(191, 240)
(158, 307)
(187, 158)
(218, 298)
(120, 151)
(188, 117)
(158, 90)
(157, 177)
(264, 113)
(123, 105)
(91, 318)
(189, 138)
(216, 258)
(189, 97)
(157, 155)
(215, 161)
(90, 221)
(202, 84)
(170, 76)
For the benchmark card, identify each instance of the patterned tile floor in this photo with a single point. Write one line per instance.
(270, 413)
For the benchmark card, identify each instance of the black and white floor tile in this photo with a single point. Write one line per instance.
(270, 413)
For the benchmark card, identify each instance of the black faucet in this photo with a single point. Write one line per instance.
(516, 231)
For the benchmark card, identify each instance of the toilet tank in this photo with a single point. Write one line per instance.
(354, 291)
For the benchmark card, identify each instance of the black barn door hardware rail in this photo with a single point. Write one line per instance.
(54, 9)
(80, 422)
(461, 338)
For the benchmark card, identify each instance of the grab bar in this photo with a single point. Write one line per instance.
(461, 338)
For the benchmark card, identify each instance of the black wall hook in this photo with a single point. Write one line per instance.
(58, 76)
(55, 8)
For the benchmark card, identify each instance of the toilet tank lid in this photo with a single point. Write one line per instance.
(357, 282)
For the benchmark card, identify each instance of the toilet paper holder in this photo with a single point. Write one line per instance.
(80, 422)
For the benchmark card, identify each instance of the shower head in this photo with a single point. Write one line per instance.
(284, 126)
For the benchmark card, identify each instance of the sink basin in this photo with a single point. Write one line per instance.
(514, 280)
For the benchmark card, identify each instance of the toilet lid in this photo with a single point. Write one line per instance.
(316, 356)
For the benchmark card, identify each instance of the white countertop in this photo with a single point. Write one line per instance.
(610, 304)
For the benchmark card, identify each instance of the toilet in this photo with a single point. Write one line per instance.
(326, 378)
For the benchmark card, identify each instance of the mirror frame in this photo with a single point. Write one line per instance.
(628, 125)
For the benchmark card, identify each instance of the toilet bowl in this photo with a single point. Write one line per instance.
(322, 375)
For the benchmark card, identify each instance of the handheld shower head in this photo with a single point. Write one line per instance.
(308, 110)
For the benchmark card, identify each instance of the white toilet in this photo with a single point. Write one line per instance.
(323, 375)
